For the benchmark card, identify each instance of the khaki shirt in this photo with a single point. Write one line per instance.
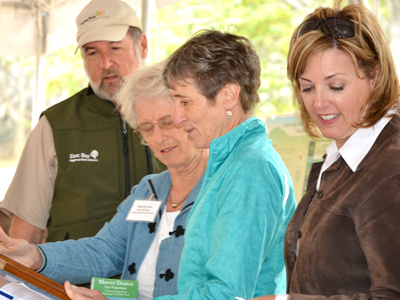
(30, 193)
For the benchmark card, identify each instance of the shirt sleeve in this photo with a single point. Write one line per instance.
(30, 193)
(101, 256)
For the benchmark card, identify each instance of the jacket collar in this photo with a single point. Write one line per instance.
(89, 91)
(222, 146)
(105, 106)
(162, 185)
(391, 130)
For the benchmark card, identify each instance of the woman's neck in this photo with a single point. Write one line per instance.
(184, 179)
(237, 118)
(187, 176)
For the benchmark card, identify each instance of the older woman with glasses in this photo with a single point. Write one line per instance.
(145, 251)
(343, 240)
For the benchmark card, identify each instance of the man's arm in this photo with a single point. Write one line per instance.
(22, 230)
(21, 251)
(29, 197)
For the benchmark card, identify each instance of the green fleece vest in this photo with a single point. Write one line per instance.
(98, 163)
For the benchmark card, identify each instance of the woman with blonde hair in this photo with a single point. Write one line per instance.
(342, 241)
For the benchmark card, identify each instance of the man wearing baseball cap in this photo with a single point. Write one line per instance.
(81, 159)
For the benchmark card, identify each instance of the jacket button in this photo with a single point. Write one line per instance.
(168, 275)
(152, 227)
(299, 234)
(132, 268)
(320, 195)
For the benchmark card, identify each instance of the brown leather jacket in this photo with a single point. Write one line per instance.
(349, 229)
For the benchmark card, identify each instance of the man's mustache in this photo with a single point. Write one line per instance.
(108, 72)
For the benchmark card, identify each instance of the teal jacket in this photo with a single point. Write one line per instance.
(235, 231)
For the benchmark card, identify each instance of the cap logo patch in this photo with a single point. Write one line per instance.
(99, 14)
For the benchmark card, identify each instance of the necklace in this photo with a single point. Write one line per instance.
(174, 205)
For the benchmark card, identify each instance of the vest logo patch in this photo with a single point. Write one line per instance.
(92, 157)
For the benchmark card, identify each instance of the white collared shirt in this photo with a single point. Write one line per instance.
(355, 148)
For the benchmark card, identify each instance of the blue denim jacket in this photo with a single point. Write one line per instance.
(120, 246)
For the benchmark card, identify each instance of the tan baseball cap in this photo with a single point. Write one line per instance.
(105, 20)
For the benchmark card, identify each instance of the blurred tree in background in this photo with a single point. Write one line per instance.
(64, 76)
(15, 105)
(268, 24)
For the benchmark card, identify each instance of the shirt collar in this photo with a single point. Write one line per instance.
(332, 154)
(359, 143)
(355, 148)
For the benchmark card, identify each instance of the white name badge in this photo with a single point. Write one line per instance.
(144, 210)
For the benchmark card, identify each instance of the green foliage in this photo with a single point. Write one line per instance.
(268, 24)
(16, 89)
(64, 73)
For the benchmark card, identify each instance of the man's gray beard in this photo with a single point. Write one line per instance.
(102, 93)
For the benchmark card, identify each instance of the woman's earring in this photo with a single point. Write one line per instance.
(229, 114)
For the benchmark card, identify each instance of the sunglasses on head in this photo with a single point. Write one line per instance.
(332, 27)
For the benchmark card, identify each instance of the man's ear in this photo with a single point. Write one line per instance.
(231, 95)
(143, 46)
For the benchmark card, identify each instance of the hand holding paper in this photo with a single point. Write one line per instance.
(81, 293)
(21, 251)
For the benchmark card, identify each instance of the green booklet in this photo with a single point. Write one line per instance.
(115, 289)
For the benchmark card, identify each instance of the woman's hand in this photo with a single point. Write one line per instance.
(21, 251)
(81, 293)
(268, 297)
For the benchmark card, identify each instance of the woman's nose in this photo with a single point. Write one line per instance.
(159, 134)
(321, 99)
(178, 115)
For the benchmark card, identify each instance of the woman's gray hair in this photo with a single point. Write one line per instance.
(213, 59)
(141, 86)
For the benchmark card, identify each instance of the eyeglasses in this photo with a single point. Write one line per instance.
(332, 27)
(145, 130)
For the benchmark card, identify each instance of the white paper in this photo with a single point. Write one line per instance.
(144, 210)
(21, 291)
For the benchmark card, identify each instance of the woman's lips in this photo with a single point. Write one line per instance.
(167, 150)
(328, 119)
